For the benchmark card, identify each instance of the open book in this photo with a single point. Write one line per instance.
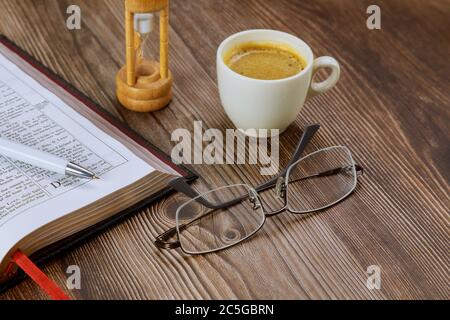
(40, 208)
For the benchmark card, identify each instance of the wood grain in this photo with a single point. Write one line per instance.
(391, 108)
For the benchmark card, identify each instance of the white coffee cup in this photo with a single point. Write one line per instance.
(270, 104)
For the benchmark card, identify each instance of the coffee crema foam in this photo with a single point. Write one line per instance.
(265, 60)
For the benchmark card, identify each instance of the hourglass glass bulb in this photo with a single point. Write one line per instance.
(144, 24)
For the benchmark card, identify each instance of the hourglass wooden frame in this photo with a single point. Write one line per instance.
(142, 85)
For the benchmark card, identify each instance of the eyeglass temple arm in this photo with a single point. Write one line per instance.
(359, 171)
(306, 138)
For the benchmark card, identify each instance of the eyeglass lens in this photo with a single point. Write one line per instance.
(321, 180)
(204, 228)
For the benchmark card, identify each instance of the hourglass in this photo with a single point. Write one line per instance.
(143, 84)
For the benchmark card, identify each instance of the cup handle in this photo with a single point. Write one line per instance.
(322, 87)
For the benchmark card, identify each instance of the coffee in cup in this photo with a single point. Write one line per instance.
(265, 60)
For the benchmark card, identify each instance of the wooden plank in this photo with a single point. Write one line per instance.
(391, 108)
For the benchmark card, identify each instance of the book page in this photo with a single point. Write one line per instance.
(31, 197)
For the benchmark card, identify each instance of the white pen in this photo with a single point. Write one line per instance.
(43, 160)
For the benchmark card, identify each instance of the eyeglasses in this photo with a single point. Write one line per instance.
(227, 216)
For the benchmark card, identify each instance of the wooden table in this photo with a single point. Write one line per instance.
(391, 108)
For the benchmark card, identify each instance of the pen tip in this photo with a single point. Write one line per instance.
(96, 178)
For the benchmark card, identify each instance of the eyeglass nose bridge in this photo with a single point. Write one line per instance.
(254, 200)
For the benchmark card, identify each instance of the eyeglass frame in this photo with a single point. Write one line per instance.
(280, 181)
